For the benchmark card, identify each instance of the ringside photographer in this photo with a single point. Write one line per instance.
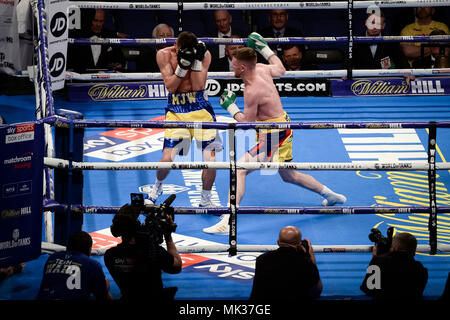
(289, 273)
(136, 263)
(393, 273)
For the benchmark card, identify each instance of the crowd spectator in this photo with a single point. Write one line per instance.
(94, 58)
(224, 29)
(289, 272)
(292, 57)
(279, 28)
(439, 55)
(385, 55)
(72, 274)
(147, 56)
(224, 64)
(423, 26)
(396, 275)
(136, 263)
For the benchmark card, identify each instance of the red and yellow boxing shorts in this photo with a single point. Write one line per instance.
(275, 144)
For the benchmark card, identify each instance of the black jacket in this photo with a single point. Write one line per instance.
(385, 54)
(401, 277)
(80, 59)
(284, 274)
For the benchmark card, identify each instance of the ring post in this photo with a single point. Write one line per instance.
(233, 186)
(350, 39)
(432, 222)
(68, 183)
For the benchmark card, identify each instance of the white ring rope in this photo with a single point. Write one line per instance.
(51, 247)
(289, 74)
(345, 166)
(257, 5)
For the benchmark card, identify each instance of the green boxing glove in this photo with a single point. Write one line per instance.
(257, 42)
(227, 102)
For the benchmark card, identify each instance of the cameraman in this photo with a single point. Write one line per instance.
(288, 273)
(136, 264)
(396, 275)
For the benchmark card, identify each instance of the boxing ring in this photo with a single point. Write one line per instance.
(422, 209)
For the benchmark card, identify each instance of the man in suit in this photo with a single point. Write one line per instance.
(87, 58)
(224, 29)
(386, 55)
(147, 58)
(292, 58)
(279, 29)
(225, 64)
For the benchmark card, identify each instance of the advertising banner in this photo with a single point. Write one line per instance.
(379, 87)
(9, 38)
(21, 181)
(119, 91)
(58, 34)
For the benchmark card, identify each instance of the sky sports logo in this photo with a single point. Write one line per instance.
(127, 143)
(124, 143)
(20, 133)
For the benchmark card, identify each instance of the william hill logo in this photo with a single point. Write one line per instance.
(107, 92)
(366, 87)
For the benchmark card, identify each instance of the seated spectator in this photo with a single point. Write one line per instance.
(423, 26)
(385, 55)
(288, 273)
(396, 275)
(224, 29)
(94, 58)
(278, 29)
(439, 55)
(147, 57)
(224, 64)
(292, 58)
(72, 275)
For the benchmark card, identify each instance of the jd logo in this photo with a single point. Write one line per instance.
(58, 24)
(57, 64)
(212, 87)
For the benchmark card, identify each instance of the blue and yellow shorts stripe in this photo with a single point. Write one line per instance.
(190, 107)
(275, 144)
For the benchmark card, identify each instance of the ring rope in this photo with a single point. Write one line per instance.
(52, 205)
(286, 40)
(307, 166)
(257, 5)
(62, 122)
(51, 247)
(289, 74)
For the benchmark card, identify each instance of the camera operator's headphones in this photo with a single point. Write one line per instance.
(125, 222)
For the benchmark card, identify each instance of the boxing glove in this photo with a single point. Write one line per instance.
(186, 57)
(257, 43)
(227, 102)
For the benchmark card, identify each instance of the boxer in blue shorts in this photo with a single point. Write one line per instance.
(184, 69)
